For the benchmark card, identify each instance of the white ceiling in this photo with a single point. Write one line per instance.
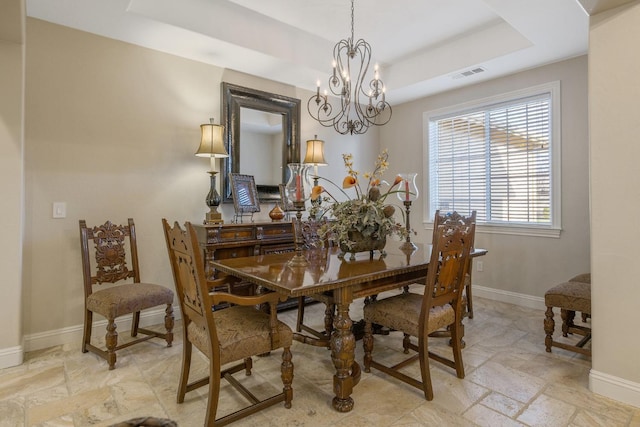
(422, 46)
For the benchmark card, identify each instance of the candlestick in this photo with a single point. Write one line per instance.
(298, 260)
(410, 193)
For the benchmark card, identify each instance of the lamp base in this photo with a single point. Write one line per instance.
(213, 217)
(213, 201)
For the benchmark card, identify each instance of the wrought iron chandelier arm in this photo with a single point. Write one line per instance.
(361, 105)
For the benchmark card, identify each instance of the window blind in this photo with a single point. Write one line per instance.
(495, 160)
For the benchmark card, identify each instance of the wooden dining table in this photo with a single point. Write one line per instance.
(348, 278)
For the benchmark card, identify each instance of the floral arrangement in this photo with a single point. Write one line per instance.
(366, 213)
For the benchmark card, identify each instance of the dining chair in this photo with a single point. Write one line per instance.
(227, 335)
(418, 315)
(308, 231)
(455, 218)
(104, 260)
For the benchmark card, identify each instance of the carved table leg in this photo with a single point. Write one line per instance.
(343, 345)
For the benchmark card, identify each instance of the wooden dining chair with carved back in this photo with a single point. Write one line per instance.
(455, 218)
(105, 260)
(418, 315)
(226, 335)
(308, 232)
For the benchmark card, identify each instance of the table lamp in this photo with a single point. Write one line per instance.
(212, 146)
(315, 156)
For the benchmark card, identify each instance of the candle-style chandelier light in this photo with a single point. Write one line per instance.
(361, 106)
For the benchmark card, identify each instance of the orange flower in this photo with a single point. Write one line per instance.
(375, 182)
(397, 181)
(316, 191)
(349, 181)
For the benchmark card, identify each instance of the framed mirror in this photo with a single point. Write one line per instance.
(262, 135)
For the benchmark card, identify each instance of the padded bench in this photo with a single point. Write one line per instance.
(571, 296)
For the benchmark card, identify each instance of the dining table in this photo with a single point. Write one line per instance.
(364, 274)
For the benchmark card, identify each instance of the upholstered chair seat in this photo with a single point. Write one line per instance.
(119, 300)
(574, 296)
(402, 313)
(242, 332)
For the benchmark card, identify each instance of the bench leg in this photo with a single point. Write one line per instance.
(549, 326)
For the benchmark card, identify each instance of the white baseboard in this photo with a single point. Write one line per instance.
(73, 334)
(522, 300)
(11, 356)
(615, 388)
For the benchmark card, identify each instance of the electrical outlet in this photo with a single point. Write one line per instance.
(479, 266)
(59, 209)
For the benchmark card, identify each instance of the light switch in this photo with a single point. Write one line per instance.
(59, 209)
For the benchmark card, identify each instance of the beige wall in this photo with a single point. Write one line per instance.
(614, 66)
(11, 184)
(517, 269)
(111, 129)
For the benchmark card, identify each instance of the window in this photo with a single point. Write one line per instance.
(501, 158)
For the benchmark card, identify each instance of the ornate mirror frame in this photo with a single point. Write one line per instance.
(235, 97)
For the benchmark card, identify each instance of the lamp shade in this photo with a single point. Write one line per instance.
(315, 152)
(211, 143)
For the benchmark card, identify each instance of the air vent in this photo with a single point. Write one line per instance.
(468, 73)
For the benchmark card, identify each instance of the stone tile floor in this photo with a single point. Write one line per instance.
(510, 381)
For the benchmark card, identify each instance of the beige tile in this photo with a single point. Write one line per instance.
(586, 418)
(63, 421)
(508, 381)
(81, 402)
(12, 413)
(583, 398)
(548, 412)
(21, 383)
(435, 415)
(485, 417)
(502, 404)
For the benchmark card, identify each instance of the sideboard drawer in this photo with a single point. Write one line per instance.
(239, 252)
(234, 234)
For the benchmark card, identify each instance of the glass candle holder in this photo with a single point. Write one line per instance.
(298, 190)
(298, 187)
(408, 191)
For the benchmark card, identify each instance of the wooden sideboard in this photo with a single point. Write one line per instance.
(222, 241)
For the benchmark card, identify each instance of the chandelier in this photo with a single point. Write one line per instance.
(361, 105)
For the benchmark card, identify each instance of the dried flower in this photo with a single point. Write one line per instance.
(367, 212)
